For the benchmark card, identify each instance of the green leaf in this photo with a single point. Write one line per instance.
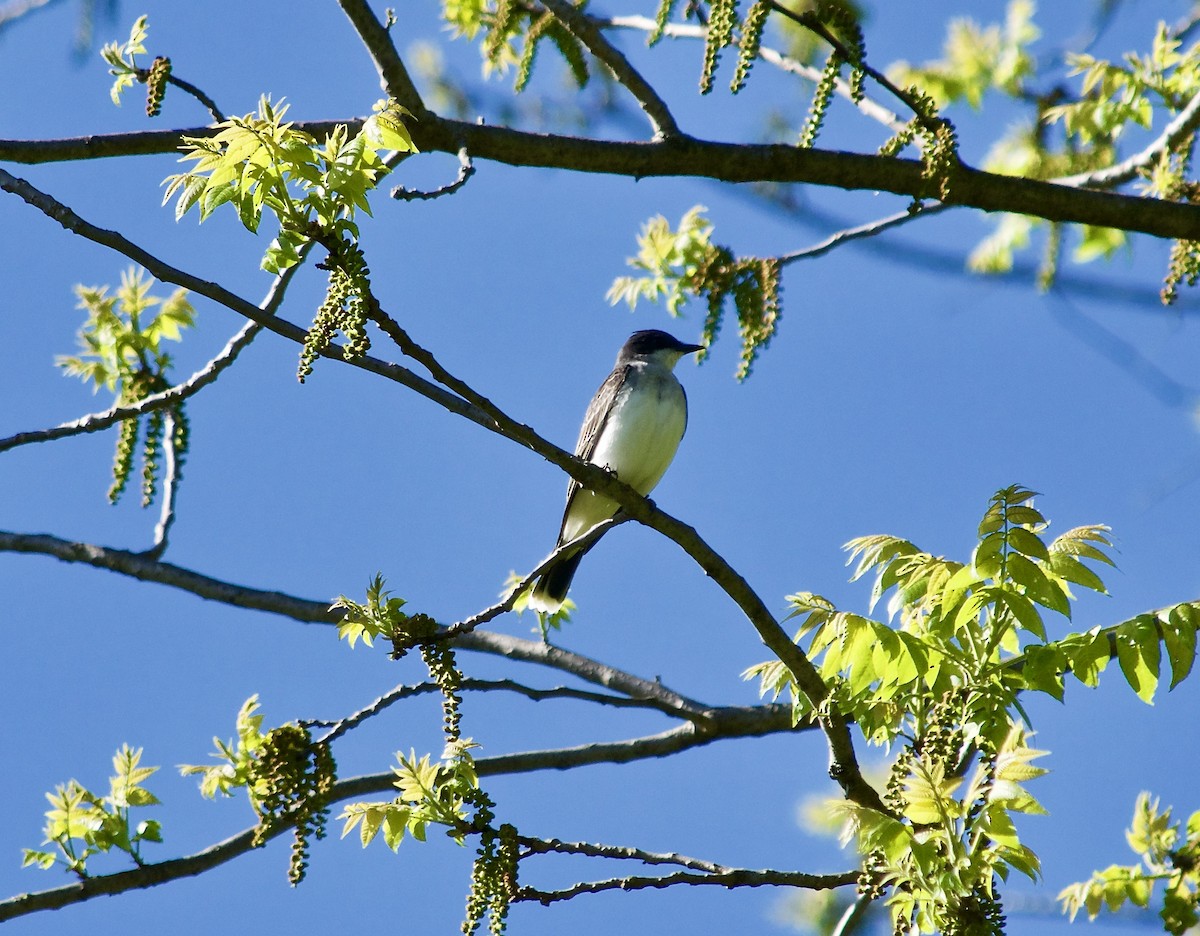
(1037, 586)
(1025, 612)
(1043, 670)
(1028, 543)
(1179, 636)
(1138, 652)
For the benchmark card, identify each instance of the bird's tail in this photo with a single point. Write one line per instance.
(551, 589)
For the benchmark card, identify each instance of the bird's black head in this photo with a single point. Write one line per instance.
(650, 341)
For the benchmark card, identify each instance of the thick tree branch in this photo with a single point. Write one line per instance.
(725, 162)
(587, 32)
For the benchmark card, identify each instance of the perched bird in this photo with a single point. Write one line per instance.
(633, 426)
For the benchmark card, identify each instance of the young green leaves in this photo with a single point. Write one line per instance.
(944, 683)
(287, 776)
(1170, 855)
(81, 824)
(122, 352)
(685, 263)
(313, 189)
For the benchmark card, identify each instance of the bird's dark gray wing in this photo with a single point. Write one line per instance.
(593, 424)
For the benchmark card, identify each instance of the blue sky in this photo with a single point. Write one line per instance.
(897, 396)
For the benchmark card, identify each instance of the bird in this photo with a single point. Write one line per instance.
(632, 427)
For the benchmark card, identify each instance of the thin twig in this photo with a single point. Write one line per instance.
(587, 32)
(739, 877)
(187, 87)
(95, 422)
(170, 486)
(853, 917)
(869, 107)
(466, 169)
(172, 395)
(538, 846)
(340, 727)
(584, 541)
(870, 229)
(393, 74)
(1184, 124)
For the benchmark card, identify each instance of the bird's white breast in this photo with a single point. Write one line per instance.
(638, 441)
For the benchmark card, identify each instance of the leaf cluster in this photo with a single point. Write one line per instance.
(683, 264)
(511, 35)
(259, 161)
(313, 189)
(977, 59)
(122, 352)
(950, 837)
(445, 793)
(81, 823)
(287, 776)
(945, 682)
(1170, 855)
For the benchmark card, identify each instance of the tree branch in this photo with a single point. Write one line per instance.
(588, 32)
(466, 169)
(393, 75)
(584, 541)
(147, 569)
(734, 722)
(843, 767)
(687, 156)
(870, 229)
(1185, 123)
(735, 877)
(350, 722)
(177, 394)
(169, 274)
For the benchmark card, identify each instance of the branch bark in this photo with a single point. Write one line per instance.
(689, 156)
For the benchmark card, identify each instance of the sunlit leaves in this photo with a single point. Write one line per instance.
(261, 162)
(119, 56)
(429, 791)
(943, 683)
(235, 767)
(977, 59)
(683, 264)
(1170, 855)
(81, 824)
(121, 343)
(379, 617)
